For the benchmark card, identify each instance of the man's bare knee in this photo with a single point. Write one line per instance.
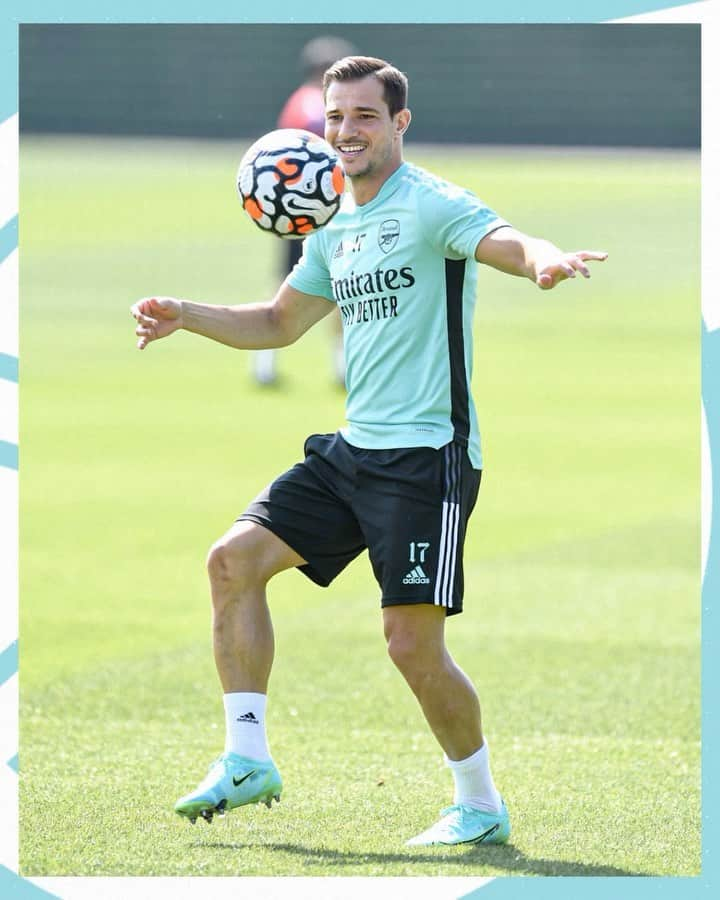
(412, 658)
(414, 643)
(247, 556)
(229, 564)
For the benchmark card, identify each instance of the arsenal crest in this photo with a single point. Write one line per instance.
(388, 234)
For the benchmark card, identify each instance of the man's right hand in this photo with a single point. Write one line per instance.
(157, 317)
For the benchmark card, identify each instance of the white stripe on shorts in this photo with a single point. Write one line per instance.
(450, 527)
(453, 551)
(447, 556)
(441, 555)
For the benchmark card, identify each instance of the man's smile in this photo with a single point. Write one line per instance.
(350, 149)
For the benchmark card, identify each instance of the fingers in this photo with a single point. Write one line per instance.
(578, 265)
(154, 308)
(144, 319)
(145, 330)
(568, 266)
(147, 325)
(145, 333)
(579, 259)
(597, 255)
(142, 311)
(553, 275)
(545, 282)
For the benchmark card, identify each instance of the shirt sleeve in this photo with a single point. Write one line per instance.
(311, 274)
(455, 221)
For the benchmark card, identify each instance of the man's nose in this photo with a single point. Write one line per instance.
(345, 128)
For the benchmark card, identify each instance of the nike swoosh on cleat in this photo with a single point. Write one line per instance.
(484, 836)
(238, 781)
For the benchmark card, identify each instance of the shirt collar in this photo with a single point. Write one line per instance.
(389, 186)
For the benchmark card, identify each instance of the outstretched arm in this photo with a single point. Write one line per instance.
(253, 326)
(516, 253)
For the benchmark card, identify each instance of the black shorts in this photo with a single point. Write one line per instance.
(408, 507)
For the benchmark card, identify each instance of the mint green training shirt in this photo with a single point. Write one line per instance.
(402, 270)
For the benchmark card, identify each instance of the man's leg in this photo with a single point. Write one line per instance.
(416, 644)
(240, 565)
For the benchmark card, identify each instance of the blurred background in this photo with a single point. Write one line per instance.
(581, 622)
(604, 85)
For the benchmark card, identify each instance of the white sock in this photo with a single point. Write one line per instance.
(245, 725)
(474, 785)
(264, 366)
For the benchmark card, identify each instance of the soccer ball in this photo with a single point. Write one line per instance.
(290, 182)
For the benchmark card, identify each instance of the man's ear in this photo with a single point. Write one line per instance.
(402, 121)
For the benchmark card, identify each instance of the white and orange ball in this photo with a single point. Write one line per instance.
(291, 182)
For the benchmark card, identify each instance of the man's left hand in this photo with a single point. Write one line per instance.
(552, 272)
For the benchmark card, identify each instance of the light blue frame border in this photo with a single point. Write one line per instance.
(378, 11)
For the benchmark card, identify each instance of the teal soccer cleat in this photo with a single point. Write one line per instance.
(464, 825)
(231, 781)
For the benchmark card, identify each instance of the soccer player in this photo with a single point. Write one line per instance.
(305, 108)
(400, 261)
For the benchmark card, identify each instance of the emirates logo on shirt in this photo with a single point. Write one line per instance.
(388, 234)
(359, 284)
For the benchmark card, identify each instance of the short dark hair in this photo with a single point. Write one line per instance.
(352, 68)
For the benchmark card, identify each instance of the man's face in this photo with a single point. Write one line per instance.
(359, 126)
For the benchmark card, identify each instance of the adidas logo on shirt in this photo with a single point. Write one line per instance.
(248, 717)
(417, 576)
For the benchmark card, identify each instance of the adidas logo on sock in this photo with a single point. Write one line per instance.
(248, 717)
(417, 576)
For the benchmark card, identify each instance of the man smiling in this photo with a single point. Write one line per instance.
(401, 479)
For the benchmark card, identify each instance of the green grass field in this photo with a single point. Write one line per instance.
(582, 617)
